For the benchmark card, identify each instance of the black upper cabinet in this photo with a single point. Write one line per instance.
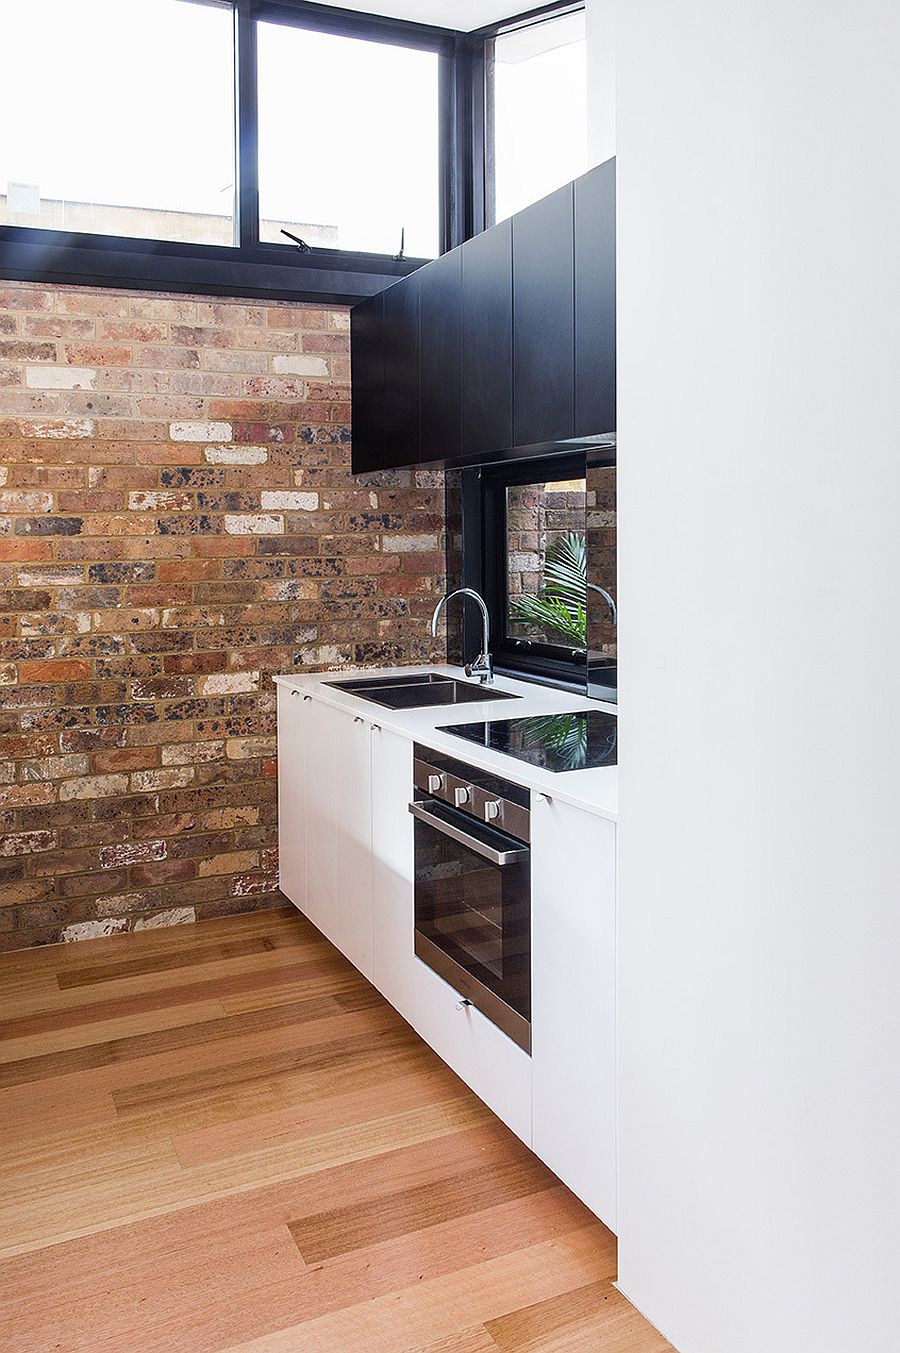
(440, 352)
(507, 342)
(544, 320)
(367, 383)
(400, 398)
(595, 301)
(487, 400)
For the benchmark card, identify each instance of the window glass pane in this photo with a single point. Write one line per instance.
(118, 118)
(545, 552)
(539, 95)
(348, 142)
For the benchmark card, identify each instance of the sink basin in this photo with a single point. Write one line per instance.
(407, 679)
(419, 691)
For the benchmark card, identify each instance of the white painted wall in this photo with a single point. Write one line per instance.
(759, 539)
(600, 34)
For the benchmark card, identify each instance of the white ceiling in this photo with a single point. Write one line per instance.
(463, 15)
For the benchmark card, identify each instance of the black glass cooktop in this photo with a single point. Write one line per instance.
(555, 742)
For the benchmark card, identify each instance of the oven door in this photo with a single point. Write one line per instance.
(473, 913)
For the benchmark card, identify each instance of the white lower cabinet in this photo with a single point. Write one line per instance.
(325, 821)
(491, 1064)
(346, 852)
(392, 869)
(353, 838)
(573, 1000)
(292, 742)
(321, 810)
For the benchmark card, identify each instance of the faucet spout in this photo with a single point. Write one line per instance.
(482, 667)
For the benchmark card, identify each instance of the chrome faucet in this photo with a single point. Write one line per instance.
(482, 667)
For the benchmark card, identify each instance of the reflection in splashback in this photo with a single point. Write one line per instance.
(601, 565)
(545, 553)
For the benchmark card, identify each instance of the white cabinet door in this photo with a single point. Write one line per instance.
(321, 807)
(351, 737)
(339, 830)
(292, 710)
(573, 1006)
(392, 869)
(491, 1064)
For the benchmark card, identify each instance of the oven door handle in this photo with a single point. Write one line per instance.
(488, 852)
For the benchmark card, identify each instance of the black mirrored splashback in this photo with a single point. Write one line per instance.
(514, 533)
(602, 593)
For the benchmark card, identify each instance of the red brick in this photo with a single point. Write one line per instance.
(25, 298)
(25, 550)
(325, 343)
(231, 410)
(162, 871)
(97, 354)
(22, 796)
(93, 885)
(135, 331)
(14, 350)
(89, 500)
(188, 570)
(216, 547)
(60, 670)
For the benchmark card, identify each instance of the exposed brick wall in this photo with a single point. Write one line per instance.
(178, 522)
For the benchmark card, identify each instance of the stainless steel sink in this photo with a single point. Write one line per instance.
(419, 690)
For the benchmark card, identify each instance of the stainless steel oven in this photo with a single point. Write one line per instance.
(473, 887)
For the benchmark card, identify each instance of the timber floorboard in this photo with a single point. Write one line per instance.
(220, 1138)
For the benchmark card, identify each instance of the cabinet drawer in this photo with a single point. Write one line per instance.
(492, 1065)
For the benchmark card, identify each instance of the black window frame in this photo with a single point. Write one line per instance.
(560, 664)
(251, 267)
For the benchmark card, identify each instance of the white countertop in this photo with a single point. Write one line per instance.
(594, 790)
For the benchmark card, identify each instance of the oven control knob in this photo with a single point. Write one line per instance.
(435, 784)
(491, 809)
(460, 796)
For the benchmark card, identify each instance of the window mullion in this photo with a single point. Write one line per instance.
(247, 127)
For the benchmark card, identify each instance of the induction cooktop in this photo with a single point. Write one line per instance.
(555, 742)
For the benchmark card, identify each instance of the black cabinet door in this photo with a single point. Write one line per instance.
(595, 301)
(401, 372)
(487, 390)
(367, 384)
(440, 342)
(544, 320)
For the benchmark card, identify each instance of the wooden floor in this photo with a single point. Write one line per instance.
(219, 1137)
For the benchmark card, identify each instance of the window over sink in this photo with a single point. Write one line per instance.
(541, 545)
(535, 564)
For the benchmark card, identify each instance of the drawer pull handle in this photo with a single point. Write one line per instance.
(307, 697)
(463, 1002)
(357, 718)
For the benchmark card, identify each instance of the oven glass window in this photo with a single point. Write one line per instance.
(466, 903)
(476, 912)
